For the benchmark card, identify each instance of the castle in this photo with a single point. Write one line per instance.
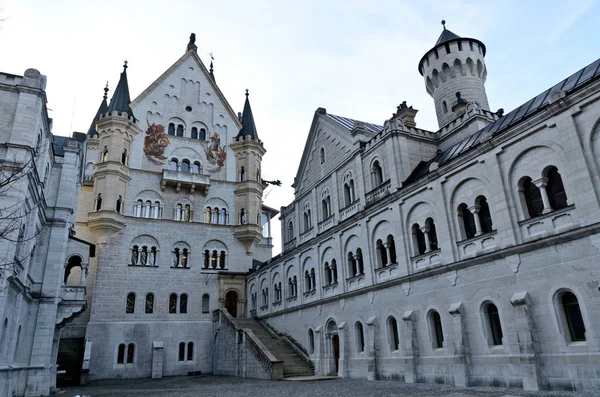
(463, 256)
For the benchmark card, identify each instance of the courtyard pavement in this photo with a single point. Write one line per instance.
(206, 386)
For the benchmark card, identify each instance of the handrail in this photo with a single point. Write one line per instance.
(290, 342)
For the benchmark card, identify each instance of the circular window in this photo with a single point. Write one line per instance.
(188, 108)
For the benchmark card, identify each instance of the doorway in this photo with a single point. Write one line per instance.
(231, 299)
(70, 360)
(335, 344)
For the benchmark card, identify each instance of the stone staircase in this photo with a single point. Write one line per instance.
(293, 364)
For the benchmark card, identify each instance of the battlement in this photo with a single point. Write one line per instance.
(115, 113)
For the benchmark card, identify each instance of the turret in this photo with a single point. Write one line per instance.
(454, 65)
(116, 128)
(248, 151)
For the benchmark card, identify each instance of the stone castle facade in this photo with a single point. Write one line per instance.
(465, 256)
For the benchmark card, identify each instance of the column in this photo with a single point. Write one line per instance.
(387, 252)
(411, 347)
(461, 354)
(84, 273)
(343, 362)
(528, 349)
(541, 184)
(425, 230)
(312, 280)
(475, 211)
(372, 365)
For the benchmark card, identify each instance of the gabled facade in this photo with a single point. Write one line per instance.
(465, 256)
(176, 225)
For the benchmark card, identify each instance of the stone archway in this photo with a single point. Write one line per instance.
(231, 303)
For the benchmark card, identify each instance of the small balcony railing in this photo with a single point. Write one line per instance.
(349, 210)
(186, 180)
(289, 245)
(378, 193)
(326, 224)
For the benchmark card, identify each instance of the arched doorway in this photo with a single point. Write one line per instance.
(73, 271)
(231, 300)
(333, 350)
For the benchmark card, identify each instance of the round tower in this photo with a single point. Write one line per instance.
(454, 65)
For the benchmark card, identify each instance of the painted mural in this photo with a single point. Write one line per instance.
(155, 143)
(215, 153)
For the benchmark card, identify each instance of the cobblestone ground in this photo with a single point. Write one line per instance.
(205, 386)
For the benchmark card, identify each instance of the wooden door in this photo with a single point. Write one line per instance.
(231, 299)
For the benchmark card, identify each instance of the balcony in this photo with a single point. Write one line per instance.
(72, 303)
(349, 210)
(307, 235)
(186, 180)
(545, 225)
(290, 245)
(477, 245)
(428, 259)
(378, 193)
(326, 224)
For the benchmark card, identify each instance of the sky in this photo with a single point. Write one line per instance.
(355, 58)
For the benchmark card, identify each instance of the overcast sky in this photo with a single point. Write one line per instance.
(355, 58)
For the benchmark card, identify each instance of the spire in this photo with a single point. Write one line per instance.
(248, 126)
(446, 35)
(120, 100)
(212, 75)
(101, 110)
(192, 43)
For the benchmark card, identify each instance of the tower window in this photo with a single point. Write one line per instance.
(202, 135)
(188, 108)
(130, 306)
(493, 324)
(180, 130)
(121, 354)
(194, 133)
(444, 107)
(393, 338)
(573, 317)
(149, 303)
(322, 155)
(436, 327)
(171, 129)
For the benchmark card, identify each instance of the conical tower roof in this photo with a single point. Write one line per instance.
(120, 100)
(248, 126)
(446, 35)
(101, 110)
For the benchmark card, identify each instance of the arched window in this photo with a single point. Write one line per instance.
(137, 209)
(223, 216)
(99, 202)
(130, 353)
(532, 197)
(444, 107)
(314, 280)
(150, 303)
(179, 212)
(392, 248)
(202, 135)
(467, 222)
(393, 338)
(334, 275)
(207, 214)
(183, 261)
(242, 174)
(573, 317)
(144, 256)
(135, 252)
(311, 341)
(190, 351)
(555, 189)
(130, 305)
(295, 286)
(124, 157)
(15, 355)
(147, 208)
(173, 303)
(327, 271)
(156, 210)
(185, 166)
(322, 155)
(173, 164)
(360, 337)
(376, 174)
(179, 129)
(205, 303)
(307, 283)
(485, 217)
(119, 204)
(352, 268)
(381, 254)
(435, 324)
(418, 239)
(121, 354)
(206, 259)
(171, 129)
(215, 216)
(3, 337)
(105, 153)
(152, 257)
(197, 168)
(433, 240)
(194, 133)
(307, 220)
(176, 257)
(187, 213)
(493, 323)
(359, 261)
(326, 204)
(243, 216)
(181, 351)
(222, 260)
(290, 231)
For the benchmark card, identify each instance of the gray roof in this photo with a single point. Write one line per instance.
(248, 125)
(446, 35)
(101, 110)
(349, 123)
(120, 100)
(570, 84)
